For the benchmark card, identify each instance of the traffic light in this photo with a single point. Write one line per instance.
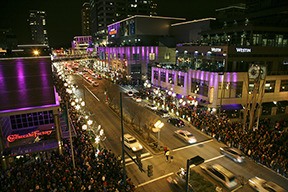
(150, 170)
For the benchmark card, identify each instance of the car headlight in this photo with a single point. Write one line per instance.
(239, 159)
(133, 148)
(192, 141)
(140, 146)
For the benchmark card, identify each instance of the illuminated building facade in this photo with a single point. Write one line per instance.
(85, 16)
(137, 43)
(104, 13)
(37, 22)
(215, 68)
(29, 107)
(81, 43)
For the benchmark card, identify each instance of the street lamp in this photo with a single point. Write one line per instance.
(158, 125)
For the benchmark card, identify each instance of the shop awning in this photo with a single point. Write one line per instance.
(282, 103)
(269, 104)
(231, 107)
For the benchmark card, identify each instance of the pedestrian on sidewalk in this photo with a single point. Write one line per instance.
(167, 154)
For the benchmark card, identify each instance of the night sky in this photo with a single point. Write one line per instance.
(64, 16)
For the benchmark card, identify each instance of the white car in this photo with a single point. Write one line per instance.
(221, 174)
(185, 136)
(235, 154)
(262, 185)
(152, 107)
(130, 93)
(132, 143)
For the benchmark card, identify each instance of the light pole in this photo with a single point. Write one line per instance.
(158, 125)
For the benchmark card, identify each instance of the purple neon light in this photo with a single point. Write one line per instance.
(133, 50)
(27, 88)
(21, 80)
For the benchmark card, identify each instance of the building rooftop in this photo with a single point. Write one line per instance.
(26, 84)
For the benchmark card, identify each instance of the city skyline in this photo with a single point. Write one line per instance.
(62, 26)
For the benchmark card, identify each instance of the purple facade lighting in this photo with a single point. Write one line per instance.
(147, 54)
(128, 52)
(21, 80)
(133, 50)
(156, 52)
(30, 83)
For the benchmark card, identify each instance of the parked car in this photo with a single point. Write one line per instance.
(136, 98)
(132, 143)
(94, 83)
(262, 185)
(176, 122)
(235, 154)
(152, 107)
(130, 93)
(221, 174)
(185, 136)
(163, 113)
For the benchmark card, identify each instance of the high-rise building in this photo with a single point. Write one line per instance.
(37, 22)
(104, 13)
(85, 14)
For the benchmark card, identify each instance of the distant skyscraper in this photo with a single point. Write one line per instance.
(106, 12)
(85, 13)
(37, 22)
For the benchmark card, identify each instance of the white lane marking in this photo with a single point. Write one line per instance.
(240, 186)
(92, 93)
(214, 158)
(163, 176)
(143, 158)
(188, 146)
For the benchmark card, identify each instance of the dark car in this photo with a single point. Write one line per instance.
(163, 113)
(176, 122)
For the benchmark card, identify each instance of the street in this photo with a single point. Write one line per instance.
(206, 147)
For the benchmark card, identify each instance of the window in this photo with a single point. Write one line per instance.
(171, 78)
(156, 75)
(279, 40)
(163, 76)
(232, 90)
(167, 56)
(257, 39)
(199, 86)
(284, 86)
(151, 56)
(136, 56)
(269, 86)
(31, 119)
(251, 87)
(180, 81)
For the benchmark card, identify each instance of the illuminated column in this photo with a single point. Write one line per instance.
(58, 131)
(3, 158)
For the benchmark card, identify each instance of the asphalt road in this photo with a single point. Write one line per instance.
(206, 147)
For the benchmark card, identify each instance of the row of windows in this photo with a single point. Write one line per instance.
(31, 119)
(225, 90)
(152, 56)
(180, 78)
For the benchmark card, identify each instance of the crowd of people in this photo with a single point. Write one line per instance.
(267, 144)
(95, 169)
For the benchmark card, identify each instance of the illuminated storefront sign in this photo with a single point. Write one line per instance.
(243, 50)
(216, 49)
(113, 32)
(12, 138)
